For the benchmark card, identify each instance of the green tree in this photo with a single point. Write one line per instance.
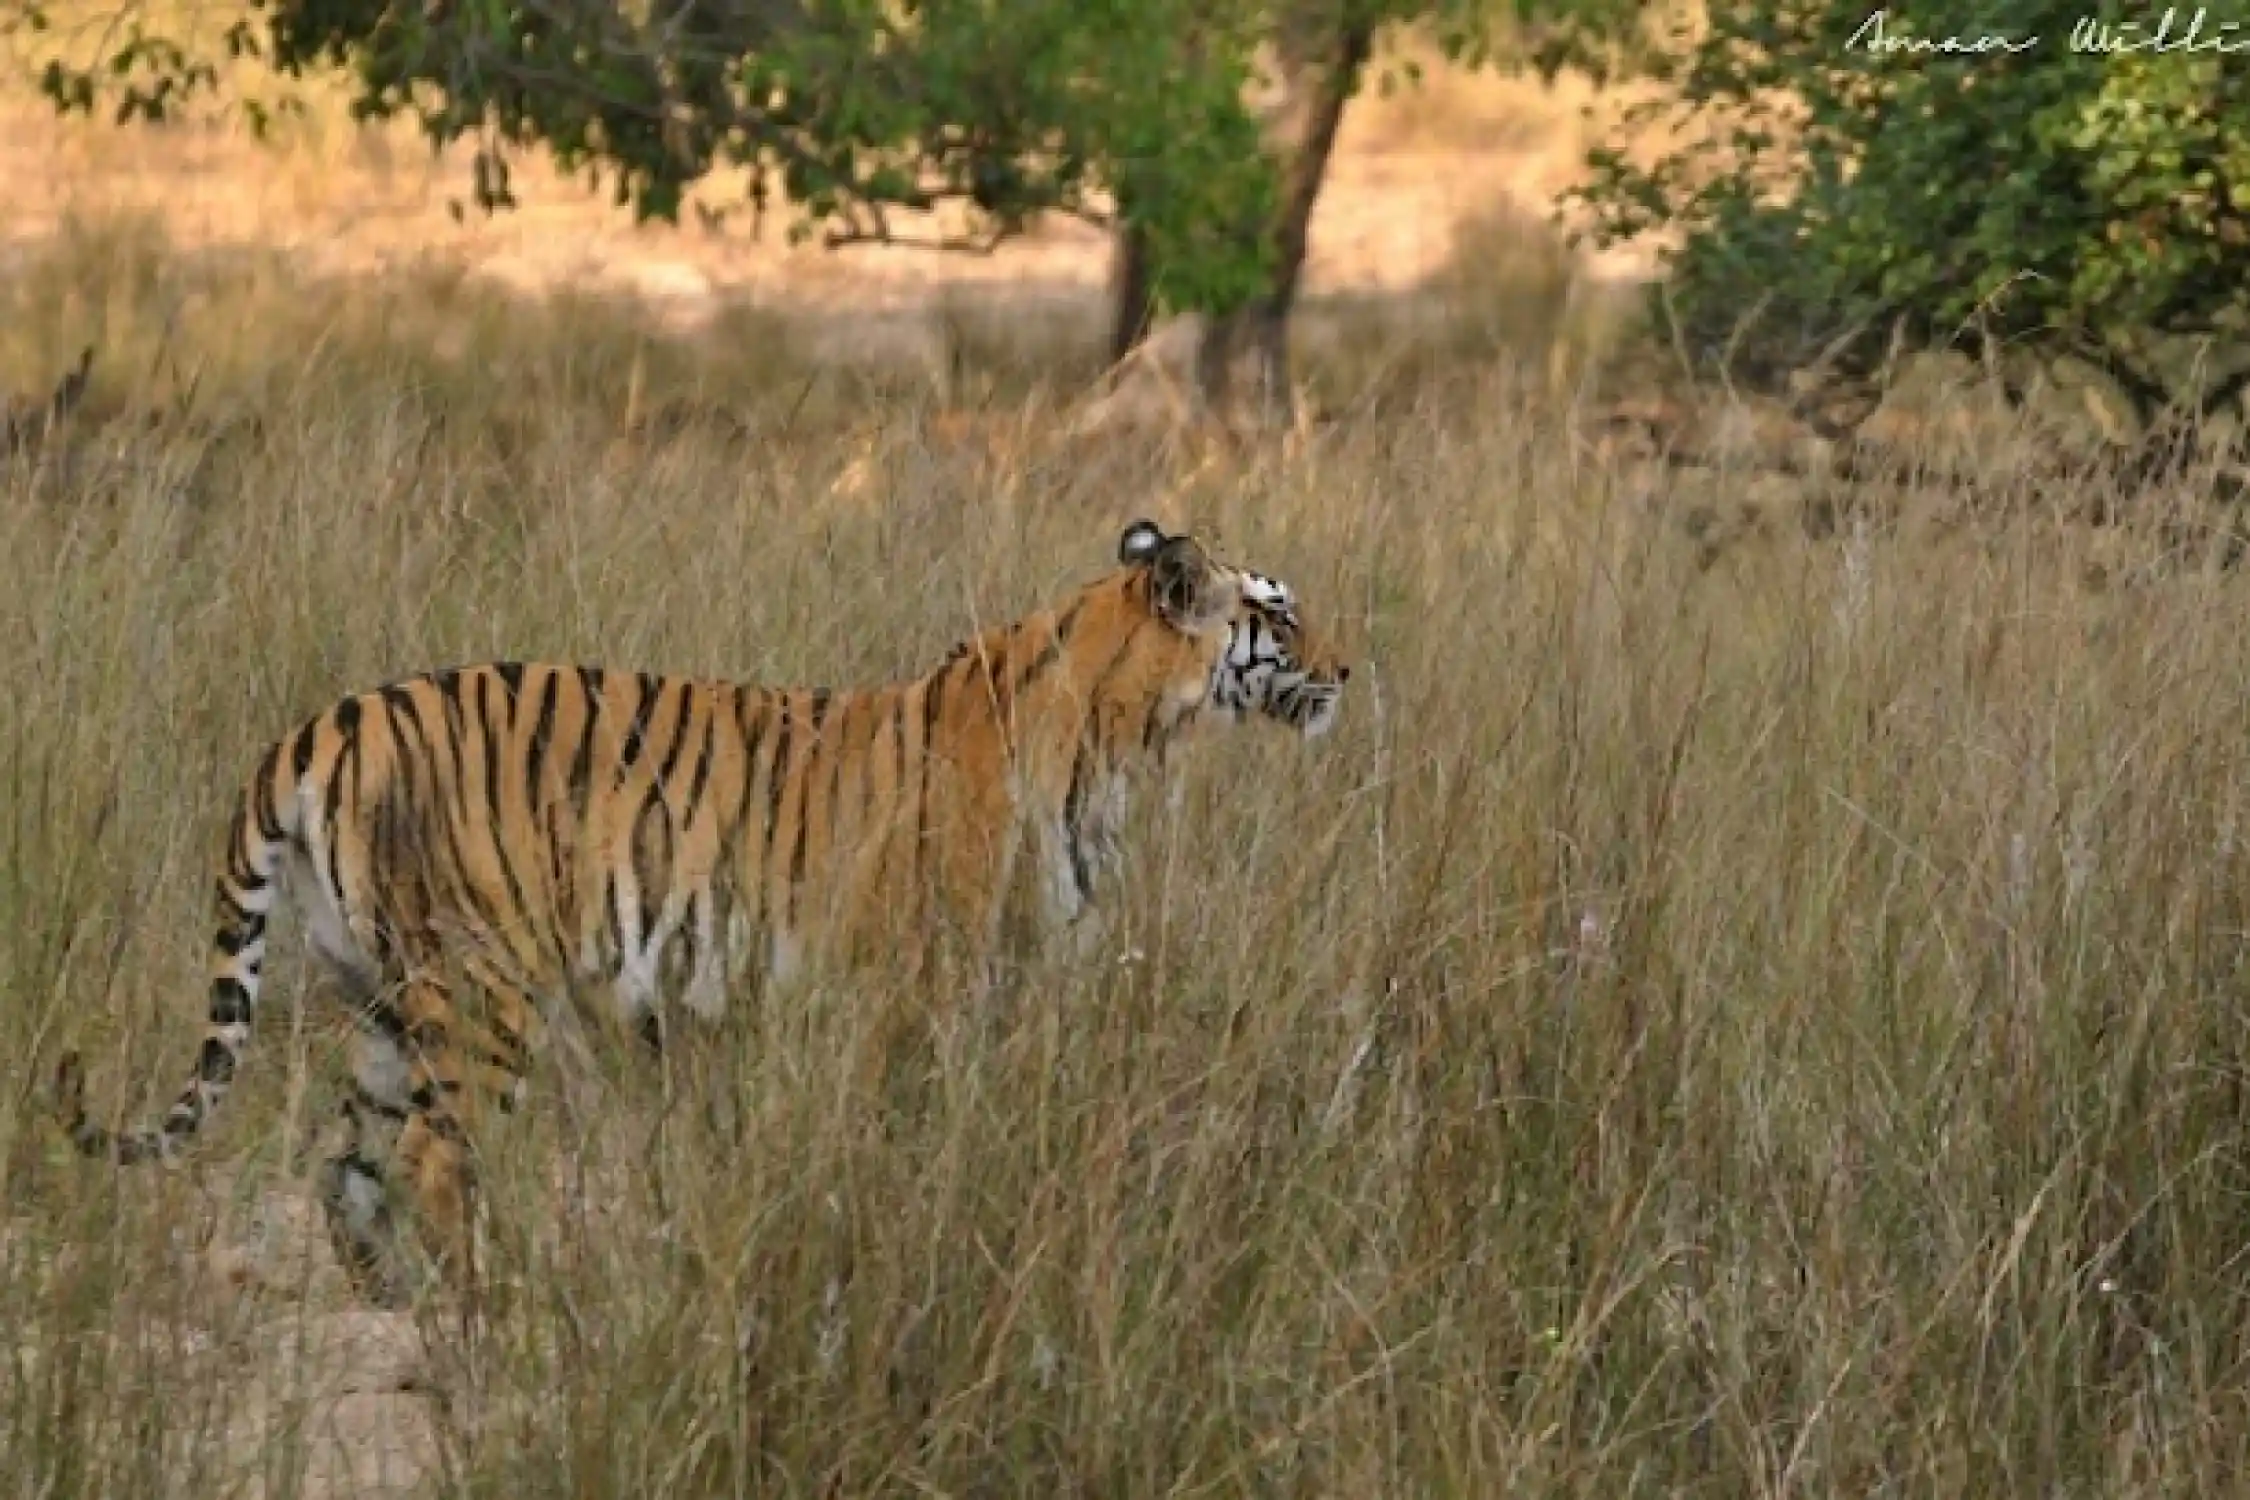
(1321, 55)
(1125, 112)
(2031, 176)
(1322, 51)
(853, 109)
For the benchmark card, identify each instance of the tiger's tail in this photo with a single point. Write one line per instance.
(267, 820)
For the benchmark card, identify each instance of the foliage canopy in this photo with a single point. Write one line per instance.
(2036, 173)
(851, 109)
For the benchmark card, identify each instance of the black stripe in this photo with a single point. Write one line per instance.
(562, 847)
(399, 710)
(813, 750)
(613, 928)
(381, 1016)
(441, 1123)
(333, 800)
(691, 933)
(232, 911)
(898, 734)
(933, 705)
(1074, 807)
(582, 759)
(537, 807)
(410, 749)
(490, 722)
(836, 762)
(360, 1166)
(777, 782)
(259, 796)
(725, 876)
(383, 1107)
(215, 1063)
(230, 1003)
(1049, 653)
(497, 827)
(405, 846)
(457, 738)
(542, 736)
(678, 743)
(637, 730)
(1101, 679)
(389, 851)
(332, 795)
(702, 772)
(686, 944)
(301, 749)
(659, 857)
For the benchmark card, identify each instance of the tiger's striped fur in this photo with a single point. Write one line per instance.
(564, 831)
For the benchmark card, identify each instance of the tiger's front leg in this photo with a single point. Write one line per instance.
(1074, 865)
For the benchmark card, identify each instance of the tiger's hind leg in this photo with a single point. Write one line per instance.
(355, 1183)
(425, 1068)
(470, 1051)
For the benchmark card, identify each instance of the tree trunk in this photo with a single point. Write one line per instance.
(1132, 292)
(1319, 74)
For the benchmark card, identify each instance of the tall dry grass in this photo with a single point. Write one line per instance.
(1767, 1029)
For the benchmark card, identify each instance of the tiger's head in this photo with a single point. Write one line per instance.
(1270, 664)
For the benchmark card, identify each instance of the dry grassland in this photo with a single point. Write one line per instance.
(1755, 1023)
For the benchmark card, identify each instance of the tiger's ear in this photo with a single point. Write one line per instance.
(1140, 542)
(1183, 584)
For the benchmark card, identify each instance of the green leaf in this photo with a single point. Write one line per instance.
(2080, 190)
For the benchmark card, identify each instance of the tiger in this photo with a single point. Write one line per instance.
(631, 842)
